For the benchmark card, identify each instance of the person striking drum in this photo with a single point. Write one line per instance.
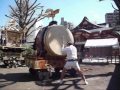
(71, 61)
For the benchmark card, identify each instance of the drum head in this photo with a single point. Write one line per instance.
(54, 38)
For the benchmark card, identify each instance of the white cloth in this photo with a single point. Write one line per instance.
(71, 52)
(72, 64)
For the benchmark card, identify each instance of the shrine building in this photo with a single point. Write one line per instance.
(95, 40)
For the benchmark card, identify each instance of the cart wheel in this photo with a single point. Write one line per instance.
(31, 71)
(43, 76)
(34, 73)
(56, 74)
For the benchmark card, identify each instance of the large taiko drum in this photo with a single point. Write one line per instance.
(54, 37)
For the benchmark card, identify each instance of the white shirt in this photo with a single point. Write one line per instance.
(70, 51)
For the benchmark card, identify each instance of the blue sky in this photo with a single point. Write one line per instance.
(72, 10)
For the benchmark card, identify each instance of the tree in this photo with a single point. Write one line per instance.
(117, 2)
(24, 13)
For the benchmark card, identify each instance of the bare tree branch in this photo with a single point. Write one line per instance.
(9, 16)
(35, 7)
(117, 2)
(13, 12)
(29, 20)
(33, 4)
(33, 31)
(114, 7)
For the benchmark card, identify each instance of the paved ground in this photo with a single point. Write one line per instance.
(99, 76)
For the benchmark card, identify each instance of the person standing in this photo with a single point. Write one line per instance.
(71, 61)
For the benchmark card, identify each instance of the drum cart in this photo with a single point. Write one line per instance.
(45, 67)
(48, 59)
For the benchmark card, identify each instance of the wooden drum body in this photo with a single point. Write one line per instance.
(50, 41)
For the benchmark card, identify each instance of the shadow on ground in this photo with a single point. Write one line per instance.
(12, 78)
(114, 83)
(64, 86)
